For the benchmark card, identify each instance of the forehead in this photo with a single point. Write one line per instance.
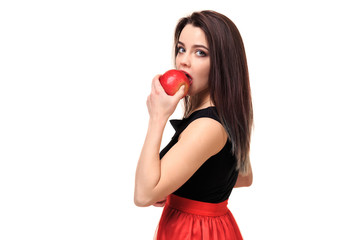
(191, 35)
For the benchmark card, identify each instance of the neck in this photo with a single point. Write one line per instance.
(204, 103)
(200, 101)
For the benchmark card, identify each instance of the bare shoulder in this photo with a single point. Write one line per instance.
(202, 138)
(207, 132)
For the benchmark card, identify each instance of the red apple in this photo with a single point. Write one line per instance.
(173, 79)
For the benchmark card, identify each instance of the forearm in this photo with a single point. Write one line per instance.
(148, 170)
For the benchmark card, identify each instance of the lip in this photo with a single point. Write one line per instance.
(188, 76)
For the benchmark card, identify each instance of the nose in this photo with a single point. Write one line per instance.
(184, 60)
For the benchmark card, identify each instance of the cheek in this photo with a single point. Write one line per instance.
(205, 70)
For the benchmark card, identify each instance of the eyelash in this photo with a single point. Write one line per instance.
(180, 48)
(202, 53)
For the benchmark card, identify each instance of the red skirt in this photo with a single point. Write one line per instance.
(185, 219)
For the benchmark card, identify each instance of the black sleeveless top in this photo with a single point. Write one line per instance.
(215, 179)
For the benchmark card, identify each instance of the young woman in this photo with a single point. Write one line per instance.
(208, 156)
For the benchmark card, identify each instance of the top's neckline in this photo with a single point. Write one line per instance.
(176, 123)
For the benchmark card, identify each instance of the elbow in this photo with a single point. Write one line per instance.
(143, 197)
(141, 201)
(243, 184)
(244, 181)
(249, 181)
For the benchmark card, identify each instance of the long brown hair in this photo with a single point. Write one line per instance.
(229, 84)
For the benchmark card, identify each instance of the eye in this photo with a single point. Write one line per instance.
(201, 53)
(180, 50)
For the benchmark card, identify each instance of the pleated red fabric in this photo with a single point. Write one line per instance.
(185, 219)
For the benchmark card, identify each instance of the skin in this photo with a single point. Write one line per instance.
(203, 138)
(193, 57)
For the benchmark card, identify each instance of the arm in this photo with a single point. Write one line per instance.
(244, 180)
(160, 107)
(200, 140)
(157, 179)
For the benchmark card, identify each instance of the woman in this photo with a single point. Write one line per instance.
(209, 153)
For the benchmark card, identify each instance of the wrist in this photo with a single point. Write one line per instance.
(158, 121)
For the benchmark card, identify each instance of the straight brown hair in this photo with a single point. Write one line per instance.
(229, 83)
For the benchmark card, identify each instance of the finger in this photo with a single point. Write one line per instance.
(157, 85)
(155, 80)
(153, 83)
(159, 204)
(153, 89)
(180, 93)
(148, 101)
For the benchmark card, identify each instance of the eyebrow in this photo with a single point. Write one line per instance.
(194, 46)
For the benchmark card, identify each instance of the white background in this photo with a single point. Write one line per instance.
(74, 80)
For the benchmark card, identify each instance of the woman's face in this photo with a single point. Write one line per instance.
(193, 57)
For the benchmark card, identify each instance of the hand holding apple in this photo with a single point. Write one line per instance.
(173, 79)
